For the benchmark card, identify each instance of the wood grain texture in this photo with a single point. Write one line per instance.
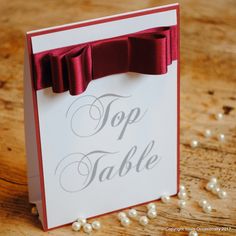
(208, 85)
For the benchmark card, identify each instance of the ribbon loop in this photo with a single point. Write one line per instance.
(147, 55)
(58, 72)
(166, 31)
(79, 66)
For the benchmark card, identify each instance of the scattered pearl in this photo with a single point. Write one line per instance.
(165, 199)
(34, 211)
(82, 221)
(221, 137)
(193, 233)
(194, 143)
(132, 213)
(210, 186)
(207, 133)
(216, 190)
(125, 221)
(151, 206)
(182, 195)
(207, 208)
(182, 188)
(219, 116)
(213, 180)
(121, 215)
(143, 220)
(87, 228)
(152, 214)
(202, 202)
(182, 204)
(76, 226)
(222, 194)
(96, 225)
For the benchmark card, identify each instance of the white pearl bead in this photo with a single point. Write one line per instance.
(207, 133)
(121, 215)
(207, 208)
(182, 188)
(213, 180)
(151, 206)
(216, 189)
(125, 221)
(202, 202)
(210, 186)
(152, 214)
(76, 226)
(193, 233)
(182, 195)
(82, 221)
(96, 225)
(132, 213)
(165, 199)
(34, 211)
(182, 204)
(194, 143)
(219, 116)
(87, 228)
(143, 220)
(221, 137)
(222, 194)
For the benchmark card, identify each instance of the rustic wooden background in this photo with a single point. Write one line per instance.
(208, 85)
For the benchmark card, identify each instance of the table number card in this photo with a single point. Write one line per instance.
(102, 114)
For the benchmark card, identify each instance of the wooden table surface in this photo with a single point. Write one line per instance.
(208, 86)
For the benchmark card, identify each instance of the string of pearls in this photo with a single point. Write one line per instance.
(133, 214)
(182, 195)
(203, 203)
(165, 199)
(213, 186)
(208, 133)
(87, 227)
(152, 211)
(124, 220)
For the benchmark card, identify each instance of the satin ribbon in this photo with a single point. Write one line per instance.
(72, 68)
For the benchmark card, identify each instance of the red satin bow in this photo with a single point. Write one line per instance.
(72, 68)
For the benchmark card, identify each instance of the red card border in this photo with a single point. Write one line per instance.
(79, 25)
